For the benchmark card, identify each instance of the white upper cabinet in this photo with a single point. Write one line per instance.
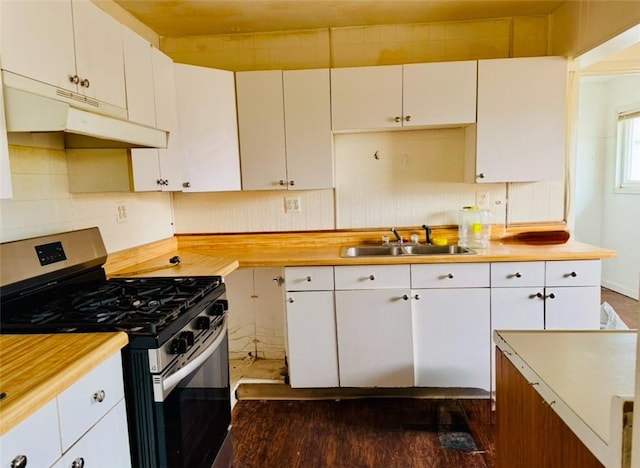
(5, 170)
(141, 106)
(285, 132)
(82, 50)
(206, 101)
(160, 169)
(520, 134)
(403, 96)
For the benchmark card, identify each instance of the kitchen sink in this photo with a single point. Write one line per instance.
(402, 250)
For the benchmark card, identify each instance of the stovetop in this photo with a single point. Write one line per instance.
(139, 306)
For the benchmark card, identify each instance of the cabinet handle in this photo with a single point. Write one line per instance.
(19, 462)
(292, 182)
(78, 463)
(551, 296)
(290, 300)
(417, 297)
(85, 83)
(99, 396)
(481, 175)
(281, 182)
(75, 79)
(166, 181)
(372, 277)
(450, 276)
(159, 181)
(186, 184)
(516, 275)
(398, 119)
(279, 280)
(538, 295)
(309, 279)
(405, 297)
(573, 274)
(408, 118)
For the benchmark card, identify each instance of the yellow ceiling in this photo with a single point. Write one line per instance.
(207, 17)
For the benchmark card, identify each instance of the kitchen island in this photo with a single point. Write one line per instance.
(564, 398)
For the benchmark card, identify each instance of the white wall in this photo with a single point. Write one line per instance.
(42, 204)
(604, 217)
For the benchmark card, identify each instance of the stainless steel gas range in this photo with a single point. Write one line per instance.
(176, 365)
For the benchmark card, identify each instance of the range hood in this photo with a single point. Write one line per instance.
(35, 107)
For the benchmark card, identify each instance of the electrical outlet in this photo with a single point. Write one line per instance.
(121, 212)
(483, 199)
(292, 205)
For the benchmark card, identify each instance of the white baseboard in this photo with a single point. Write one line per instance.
(620, 289)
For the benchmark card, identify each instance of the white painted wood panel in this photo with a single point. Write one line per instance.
(372, 276)
(439, 93)
(312, 346)
(141, 106)
(366, 98)
(573, 273)
(517, 274)
(270, 313)
(572, 308)
(261, 129)
(309, 278)
(309, 143)
(385, 357)
(451, 335)
(207, 121)
(450, 275)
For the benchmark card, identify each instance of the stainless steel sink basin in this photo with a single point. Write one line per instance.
(402, 250)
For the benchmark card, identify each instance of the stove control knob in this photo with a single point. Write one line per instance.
(188, 337)
(178, 346)
(219, 307)
(203, 323)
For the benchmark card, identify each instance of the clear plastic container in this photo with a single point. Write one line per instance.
(474, 227)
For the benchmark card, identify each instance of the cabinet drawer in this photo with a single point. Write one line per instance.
(80, 406)
(36, 438)
(517, 274)
(309, 278)
(450, 275)
(573, 273)
(372, 277)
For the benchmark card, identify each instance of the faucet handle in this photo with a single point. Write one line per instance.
(427, 234)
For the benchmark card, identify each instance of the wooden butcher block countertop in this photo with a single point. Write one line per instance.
(34, 369)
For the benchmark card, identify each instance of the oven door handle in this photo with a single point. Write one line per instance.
(171, 381)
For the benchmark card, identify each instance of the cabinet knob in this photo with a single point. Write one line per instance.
(19, 462)
(417, 297)
(292, 182)
(516, 275)
(408, 118)
(405, 297)
(78, 463)
(282, 182)
(398, 119)
(538, 295)
(309, 279)
(551, 296)
(85, 83)
(159, 181)
(186, 184)
(99, 396)
(290, 300)
(75, 79)
(573, 274)
(372, 277)
(481, 175)
(449, 276)
(279, 280)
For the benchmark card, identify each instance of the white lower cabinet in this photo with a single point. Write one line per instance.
(572, 308)
(86, 425)
(375, 347)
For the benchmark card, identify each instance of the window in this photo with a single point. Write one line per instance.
(628, 171)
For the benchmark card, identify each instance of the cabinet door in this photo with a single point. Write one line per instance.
(141, 106)
(36, 438)
(439, 93)
(25, 52)
(515, 309)
(375, 345)
(307, 112)
(261, 129)
(270, 312)
(206, 101)
(99, 56)
(520, 132)
(451, 335)
(311, 330)
(5, 169)
(242, 314)
(366, 98)
(572, 308)
(106, 445)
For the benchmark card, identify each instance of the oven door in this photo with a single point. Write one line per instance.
(193, 407)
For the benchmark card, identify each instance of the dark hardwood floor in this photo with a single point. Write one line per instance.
(626, 307)
(383, 432)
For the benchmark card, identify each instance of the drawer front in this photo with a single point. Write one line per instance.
(573, 273)
(372, 277)
(450, 275)
(80, 407)
(309, 278)
(36, 438)
(517, 274)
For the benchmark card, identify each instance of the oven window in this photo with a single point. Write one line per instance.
(197, 413)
